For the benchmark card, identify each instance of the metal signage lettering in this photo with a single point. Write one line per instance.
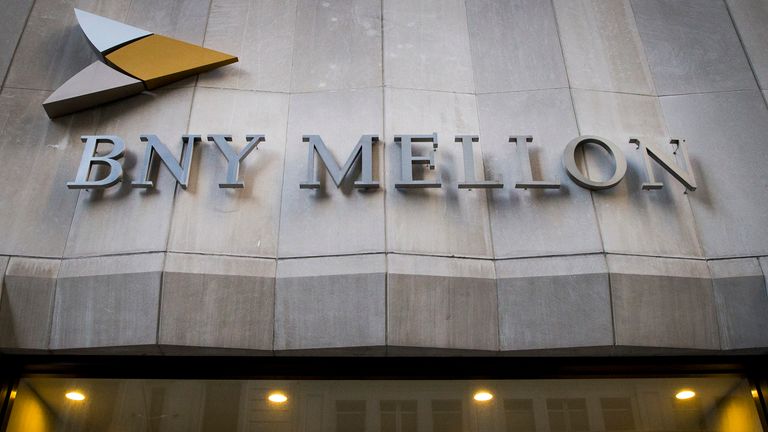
(363, 154)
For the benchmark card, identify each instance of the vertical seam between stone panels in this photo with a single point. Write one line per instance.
(576, 119)
(487, 193)
(160, 302)
(16, 45)
(699, 237)
(645, 52)
(744, 49)
(715, 307)
(191, 147)
(52, 313)
(383, 180)
(175, 194)
(282, 181)
(696, 229)
(763, 271)
(586, 167)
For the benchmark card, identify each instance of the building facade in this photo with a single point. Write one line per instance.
(439, 263)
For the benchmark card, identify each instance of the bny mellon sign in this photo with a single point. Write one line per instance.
(133, 59)
(362, 154)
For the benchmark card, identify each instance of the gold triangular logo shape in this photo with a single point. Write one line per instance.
(158, 60)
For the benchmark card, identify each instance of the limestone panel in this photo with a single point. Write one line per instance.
(210, 219)
(332, 220)
(338, 45)
(3, 266)
(260, 33)
(107, 302)
(446, 303)
(179, 19)
(52, 47)
(692, 46)
(547, 303)
(657, 222)
(764, 268)
(330, 302)
(26, 304)
(515, 45)
(750, 17)
(742, 303)
(602, 47)
(726, 140)
(663, 303)
(444, 221)
(38, 158)
(217, 302)
(426, 45)
(534, 222)
(124, 219)
(11, 25)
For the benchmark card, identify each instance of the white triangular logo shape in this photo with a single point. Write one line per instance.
(106, 34)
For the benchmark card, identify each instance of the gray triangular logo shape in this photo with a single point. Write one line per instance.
(94, 85)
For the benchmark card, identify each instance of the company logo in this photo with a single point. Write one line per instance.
(132, 60)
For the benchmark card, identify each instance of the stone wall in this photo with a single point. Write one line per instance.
(272, 269)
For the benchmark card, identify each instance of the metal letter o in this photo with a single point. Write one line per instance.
(569, 162)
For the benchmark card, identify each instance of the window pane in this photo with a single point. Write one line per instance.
(350, 416)
(519, 415)
(446, 415)
(720, 404)
(617, 414)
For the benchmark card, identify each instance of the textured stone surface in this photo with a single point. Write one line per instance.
(207, 218)
(602, 47)
(38, 157)
(52, 48)
(515, 45)
(180, 19)
(124, 219)
(534, 222)
(742, 303)
(27, 302)
(632, 220)
(726, 139)
(330, 302)
(764, 267)
(217, 302)
(549, 303)
(426, 45)
(750, 18)
(338, 45)
(107, 302)
(332, 220)
(548, 292)
(692, 46)
(260, 33)
(664, 303)
(444, 303)
(11, 25)
(445, 221)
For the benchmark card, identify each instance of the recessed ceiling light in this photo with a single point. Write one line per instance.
(482, 396)
(75, 396)
(277, 397)
(685, 394)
